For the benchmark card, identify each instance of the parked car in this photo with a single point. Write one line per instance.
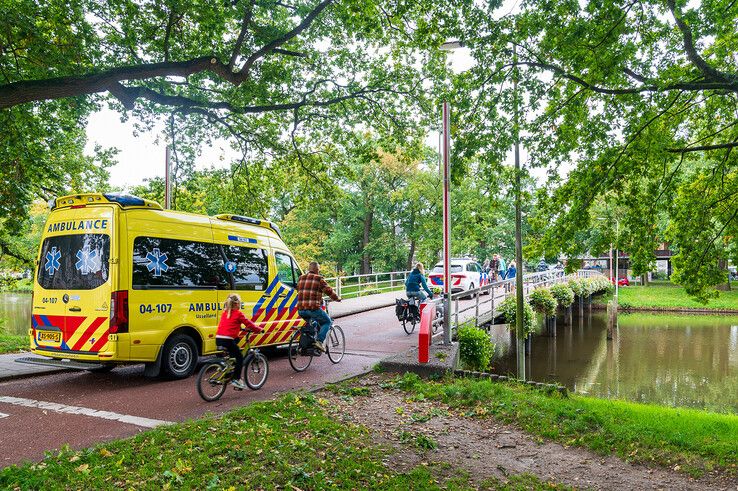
(466, 274)
(621, 281)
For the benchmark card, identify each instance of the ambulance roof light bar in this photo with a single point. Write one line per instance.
(121, 199)
(249, 220)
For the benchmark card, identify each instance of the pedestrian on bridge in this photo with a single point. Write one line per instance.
(416, 280)
(494, 266)
(511, 271)
(501, 268)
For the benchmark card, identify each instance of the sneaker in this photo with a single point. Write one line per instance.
(238, 385)
(325, 345)
(318, 345)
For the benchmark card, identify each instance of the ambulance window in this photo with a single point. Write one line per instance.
(248, 267)
(74, 262)
(175, 264)
(287, 270)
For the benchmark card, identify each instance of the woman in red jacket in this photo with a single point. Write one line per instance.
(229, 331)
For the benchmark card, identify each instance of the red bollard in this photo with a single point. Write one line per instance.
(427, 316)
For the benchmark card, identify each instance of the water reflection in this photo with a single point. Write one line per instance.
(675, 360)
(15, 310)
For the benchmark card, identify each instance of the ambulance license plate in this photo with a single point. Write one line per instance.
(45, 336)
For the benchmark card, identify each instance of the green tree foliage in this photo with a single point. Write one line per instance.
(630, 100)
(280, 80)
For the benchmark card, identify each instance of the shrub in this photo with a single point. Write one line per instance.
(543, 301)
(597, 284)
(508, 307)
(475, 348)
(563, 294)
(578, 286)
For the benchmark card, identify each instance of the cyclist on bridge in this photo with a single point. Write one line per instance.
(310, 290)
(416, 280)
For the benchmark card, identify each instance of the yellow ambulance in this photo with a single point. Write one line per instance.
(121, 280)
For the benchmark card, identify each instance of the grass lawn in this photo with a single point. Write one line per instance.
(670, 296)
(11, 343)
(683, 439)
(286, 444)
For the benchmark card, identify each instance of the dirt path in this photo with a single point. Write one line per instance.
(486, 448)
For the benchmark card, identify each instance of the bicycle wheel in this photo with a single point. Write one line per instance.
(298, 361)
(336, 344)
(408, 325)
(212, 381)
(256, 371)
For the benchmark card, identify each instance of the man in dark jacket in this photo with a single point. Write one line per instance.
(414, 281)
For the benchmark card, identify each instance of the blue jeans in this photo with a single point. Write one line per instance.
(321, 318)
(420, 295)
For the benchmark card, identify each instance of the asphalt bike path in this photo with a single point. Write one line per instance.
(81, 409)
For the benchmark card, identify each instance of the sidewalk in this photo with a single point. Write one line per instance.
(362, 304)
(9, 369)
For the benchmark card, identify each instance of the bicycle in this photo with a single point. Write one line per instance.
(408, 312)
(301, 357)
(216, 374)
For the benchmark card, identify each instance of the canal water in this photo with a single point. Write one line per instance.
(15, 312)
(673, 360)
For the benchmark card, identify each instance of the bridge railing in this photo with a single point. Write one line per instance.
(368, 284)
(496, 292)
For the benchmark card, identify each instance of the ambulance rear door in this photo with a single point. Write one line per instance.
(74, 277)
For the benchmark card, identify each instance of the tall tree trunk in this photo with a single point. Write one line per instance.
(410, 255)
(366, 262)
(723, 265)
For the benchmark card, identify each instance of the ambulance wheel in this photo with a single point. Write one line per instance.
(179, 358)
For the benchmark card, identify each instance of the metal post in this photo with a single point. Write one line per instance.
(338, 286)
(492, 303)
(167, 179)
(476, 309)
(456, 313)
(446, 225)
(617, 253)
(518, 228)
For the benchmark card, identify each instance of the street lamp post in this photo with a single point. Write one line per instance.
(446, 225)
(519, 300)
(519, 310)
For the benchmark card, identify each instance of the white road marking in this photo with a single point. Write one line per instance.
(3, 415)
(84, 411)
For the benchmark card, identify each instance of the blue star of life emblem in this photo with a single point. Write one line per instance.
(157, 262)
(87, 261)
(52, 261)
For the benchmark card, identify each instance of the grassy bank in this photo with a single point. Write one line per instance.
(669, 296)
(682, 439)
(12, 343)
(285, 444)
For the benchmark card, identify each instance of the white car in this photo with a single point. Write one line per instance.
(466, 274)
